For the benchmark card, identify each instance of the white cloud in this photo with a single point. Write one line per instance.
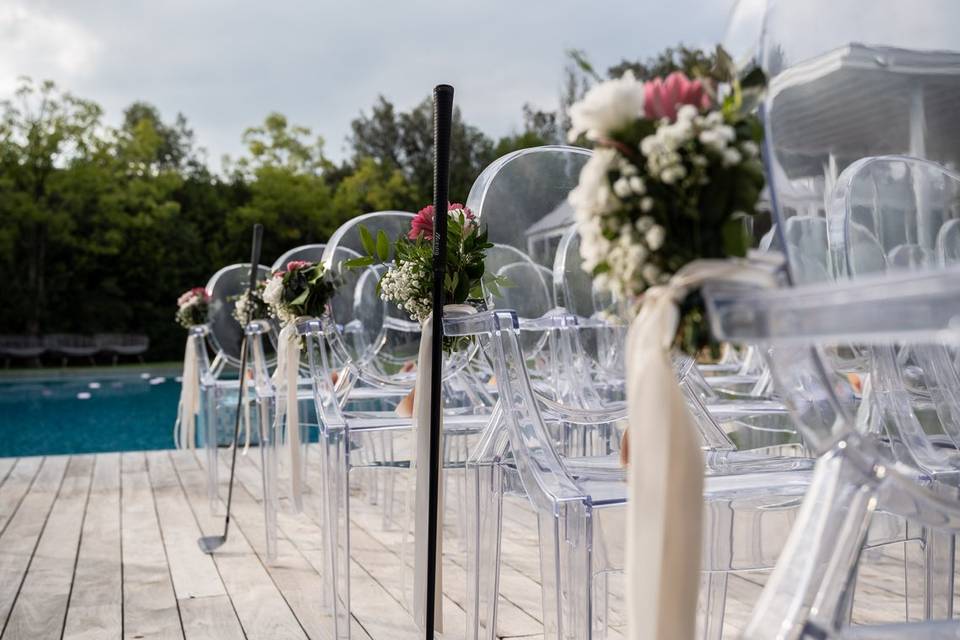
(37, 43)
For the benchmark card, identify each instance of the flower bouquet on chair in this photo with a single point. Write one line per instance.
(303, 289)
(192, 307)
(675, 176)
(250, 305)
(662, 206)
(407, 281)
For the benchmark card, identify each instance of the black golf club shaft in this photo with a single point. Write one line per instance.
(442, 117)
(254, 264)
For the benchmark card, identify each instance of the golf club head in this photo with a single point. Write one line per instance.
(209, 544)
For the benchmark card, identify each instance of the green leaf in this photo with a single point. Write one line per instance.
(367, 241)
(383, 246)
(362, 261)
(735, 237)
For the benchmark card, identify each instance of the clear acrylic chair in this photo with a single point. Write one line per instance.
(579, 501)
(492, 467)
(859, 473)
(370, 344)
(220, 383)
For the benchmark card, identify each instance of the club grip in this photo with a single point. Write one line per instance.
(255, 255)
(442, 126)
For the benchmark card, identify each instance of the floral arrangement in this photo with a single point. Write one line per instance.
(192, 307)
(250, 305)
(675, 172)
(408, 280)
(303, 289)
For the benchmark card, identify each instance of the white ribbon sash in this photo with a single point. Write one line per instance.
(185, 430)
(285, 380)
(421, 427)
(665, 476)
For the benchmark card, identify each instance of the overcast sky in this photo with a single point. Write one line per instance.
(226, 63)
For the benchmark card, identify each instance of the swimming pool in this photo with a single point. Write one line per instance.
(87, 413)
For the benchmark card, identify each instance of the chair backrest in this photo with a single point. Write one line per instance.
(373, 335)
(522, 198)
(851, 80)
(308, 252)
(887, 214)
(223, 287)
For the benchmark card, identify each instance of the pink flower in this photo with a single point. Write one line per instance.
(187, 296)
(662, 98)
(422, 224)
(293, 265)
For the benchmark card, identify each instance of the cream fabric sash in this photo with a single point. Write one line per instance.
(421, 428)
(665, 477)
(185, 429)
(285, 379)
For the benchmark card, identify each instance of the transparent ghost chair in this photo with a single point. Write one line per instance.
(262, 407)
(892, 214)
(374, 344)
(591, 415)
(218, 385)
(879, 78)
(876, 79)
(580, 501)
(859, 475)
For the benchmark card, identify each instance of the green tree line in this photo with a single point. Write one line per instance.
(102, 227)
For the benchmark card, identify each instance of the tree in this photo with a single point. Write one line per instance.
(277, 143)
(41, 130)
(404, 141)
(692, 62)
(288, 193)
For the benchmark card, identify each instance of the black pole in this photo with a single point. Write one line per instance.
(244, 349)
(442, 117)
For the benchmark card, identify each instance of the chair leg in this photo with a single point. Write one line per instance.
(268, 469)
(337, 541)
(806, 589)
(484, 529)
(712, 604)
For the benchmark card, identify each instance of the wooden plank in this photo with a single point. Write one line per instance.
(41, 607)
(20, 538)
(149, 606)
(262, 610)
(298, 581)
(15, 487)
(194, 573)
(96, 601)
(6, 466)
(211, 618)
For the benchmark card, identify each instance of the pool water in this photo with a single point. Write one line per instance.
(88, 413)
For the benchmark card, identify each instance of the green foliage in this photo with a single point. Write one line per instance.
(306, 290)
(101, 227)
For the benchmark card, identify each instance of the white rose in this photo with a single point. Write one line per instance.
(591, 196)
(646, 204)
(650, 273)
(731, 157)
(607, 107)
(645, 223)
(273, 290)
(750, 148)
(637, 186)
(655, 236)
(622, 188)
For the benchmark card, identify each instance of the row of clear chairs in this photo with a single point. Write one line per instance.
(867, 295)
(589, 487)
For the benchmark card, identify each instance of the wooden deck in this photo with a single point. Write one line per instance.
(105, 546)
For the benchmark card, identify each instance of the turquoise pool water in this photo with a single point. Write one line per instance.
(88, 413)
